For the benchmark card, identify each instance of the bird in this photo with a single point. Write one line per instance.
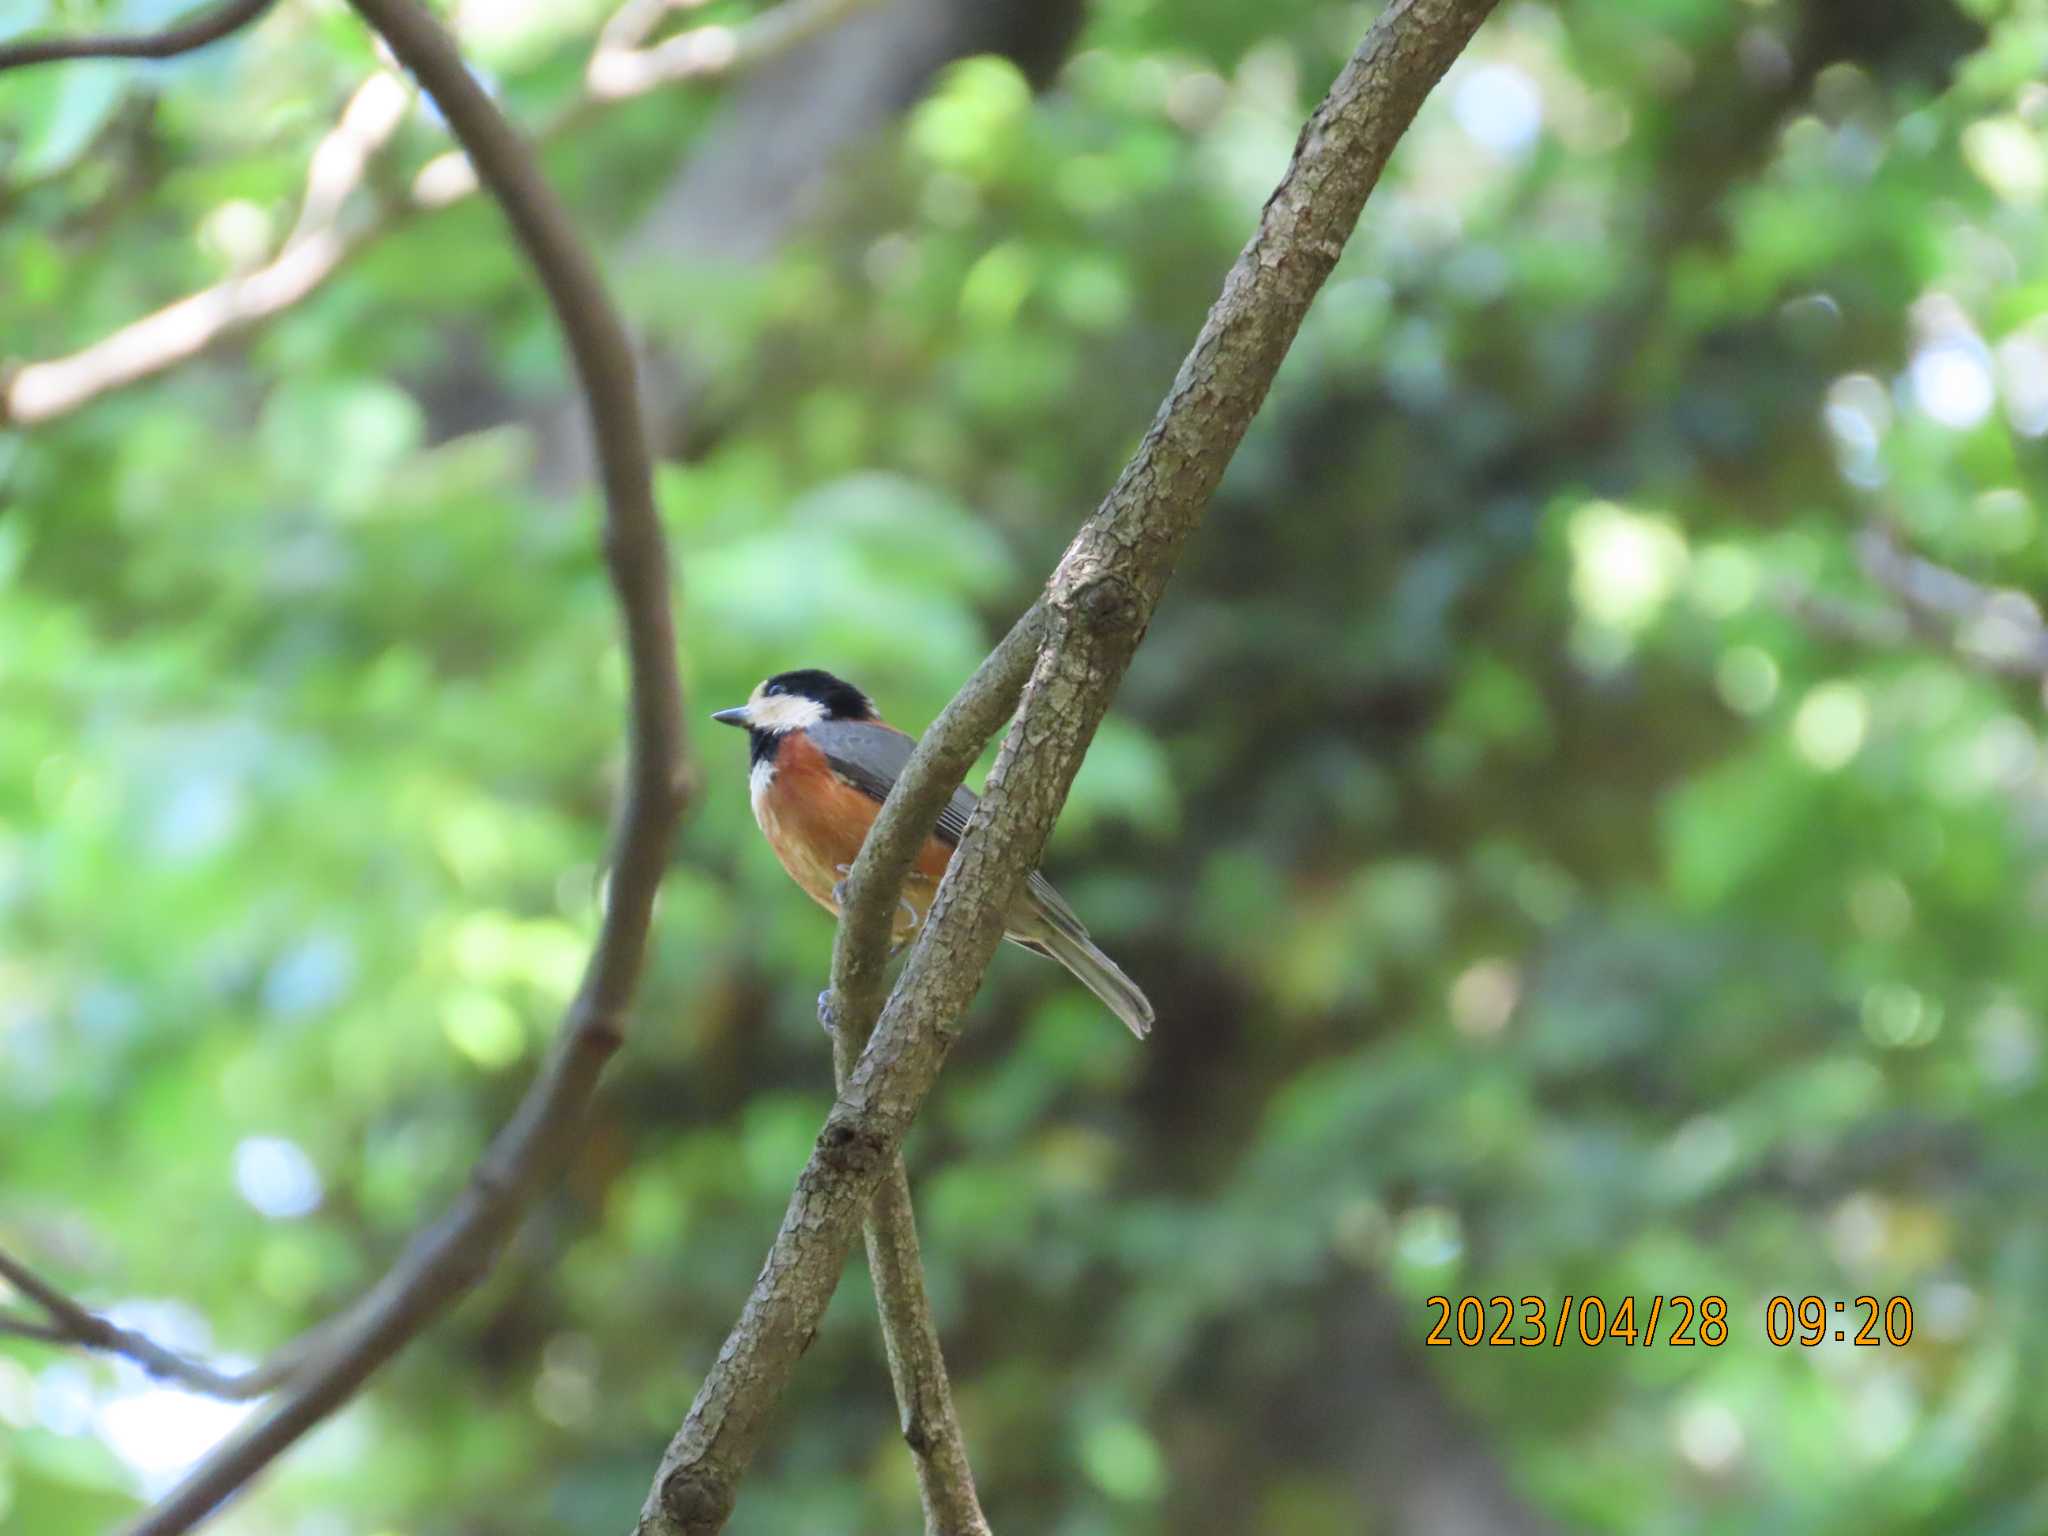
(822, 761)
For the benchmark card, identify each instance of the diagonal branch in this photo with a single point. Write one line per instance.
(948, 748)
(210, 27)
(1096, 609)
(67, 1323)
(917, 1365)
(323, 241)
(319, 242)
(1999, 629)
(448, 1258)
(910, 1337)
(620, 67)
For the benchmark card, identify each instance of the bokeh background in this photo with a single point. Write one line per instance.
(1559, 864)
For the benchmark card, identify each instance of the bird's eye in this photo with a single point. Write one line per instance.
(771, 690)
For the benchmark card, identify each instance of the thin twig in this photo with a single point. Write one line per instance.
(910, 1338)
(319, 242)
(67, 1322)
(618, 70)
(210, 27)
(451, 1256)
(16, 1327)
(917, 1365)
(1998, 629)
(948, 748)
(1097, 607)
(37, 392)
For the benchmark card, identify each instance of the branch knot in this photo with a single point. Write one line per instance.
(848, 1147)
(1107, 604)
(696, 1501)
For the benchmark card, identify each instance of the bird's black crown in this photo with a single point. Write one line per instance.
(841, 700)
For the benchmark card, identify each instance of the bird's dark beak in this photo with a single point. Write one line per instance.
(732, 716)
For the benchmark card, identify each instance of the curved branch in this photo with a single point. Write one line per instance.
(451, 1256)
(231, 16)
(1097, 607)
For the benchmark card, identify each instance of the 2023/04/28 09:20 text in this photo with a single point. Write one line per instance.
(1681, 1321)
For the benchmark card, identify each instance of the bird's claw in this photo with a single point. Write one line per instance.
(910, 929)
(828, 1019)
(904, 903)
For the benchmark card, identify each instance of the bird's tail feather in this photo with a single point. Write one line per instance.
(1097, 972)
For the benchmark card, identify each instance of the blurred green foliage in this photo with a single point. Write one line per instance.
(1541, 892)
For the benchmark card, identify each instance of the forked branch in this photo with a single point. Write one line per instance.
(1096, 609)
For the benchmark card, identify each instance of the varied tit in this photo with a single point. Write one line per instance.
(823, 762)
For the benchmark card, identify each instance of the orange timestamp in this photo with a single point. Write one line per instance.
(1532, 1322)
(1806, 1320)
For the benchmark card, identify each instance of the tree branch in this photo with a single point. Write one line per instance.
(1997, 629)
(68, 1323)
(445, 1260)
(210, 27)
(1097, 606)
(917, 1365)
(910, 1338)
(621, 68)
(948, 748)
(315, 249)
(319, 246)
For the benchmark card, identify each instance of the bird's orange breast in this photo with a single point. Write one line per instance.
(816, 822)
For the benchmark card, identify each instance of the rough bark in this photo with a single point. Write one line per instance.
(1096, 609)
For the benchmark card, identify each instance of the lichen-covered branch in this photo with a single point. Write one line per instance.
(1095, 612)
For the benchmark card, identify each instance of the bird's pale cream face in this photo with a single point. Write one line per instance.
(779, 712)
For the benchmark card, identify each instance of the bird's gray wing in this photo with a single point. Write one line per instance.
(870, 757)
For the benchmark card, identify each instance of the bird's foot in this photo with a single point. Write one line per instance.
(828, 1019)
(839, 886)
